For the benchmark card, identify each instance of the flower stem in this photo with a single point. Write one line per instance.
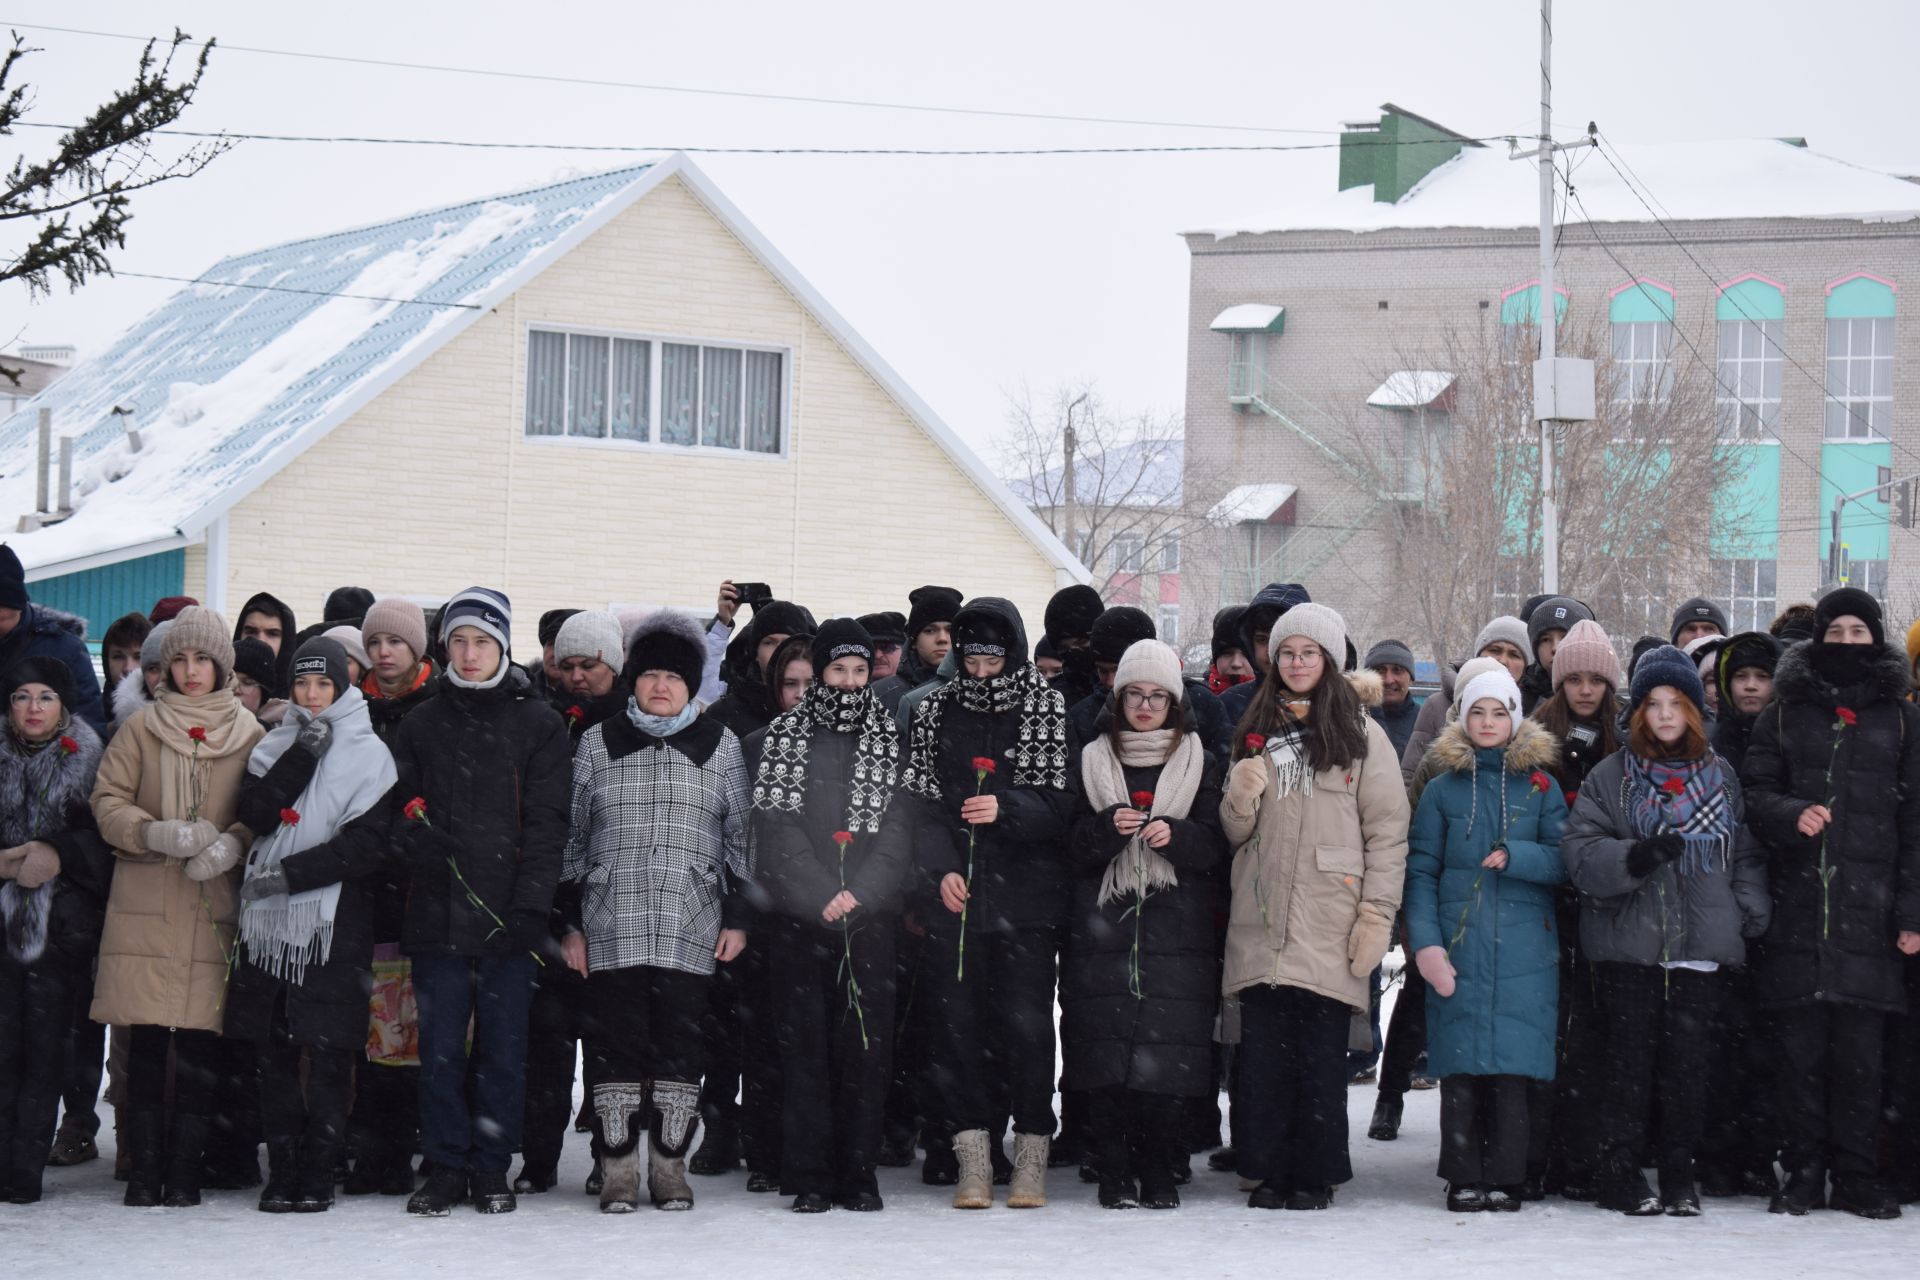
(500, 926)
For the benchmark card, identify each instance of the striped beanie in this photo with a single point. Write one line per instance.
(482, 608)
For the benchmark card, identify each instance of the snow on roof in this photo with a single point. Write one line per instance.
(1248, 317)
(1742, 178)
(1251, 502)
(221, 380)
(1141, 473)
(1411, 389)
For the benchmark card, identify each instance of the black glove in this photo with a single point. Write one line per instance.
(314, 737)
(530, 929)
(1645, 857)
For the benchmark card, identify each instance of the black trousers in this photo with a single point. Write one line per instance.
(1484, 1128)
(1903, 1081)
(741, 1055)
(385, 1121)
(1290, 1110)
(36, 1020)
(648, 1025)
(1573, 1138)
(558, 1022)
(836, 1057)
(1134, 1134)
(1659, 1028)
(1830, 1076)
(1743, 1129)
(993, 1036)
(907, 1104)
(1406, 1033)
(313, 1112)
(197, 1069)
(86, 1064)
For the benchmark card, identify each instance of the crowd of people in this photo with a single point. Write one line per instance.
(801, 895)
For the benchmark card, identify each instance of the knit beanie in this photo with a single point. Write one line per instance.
(550, 623)
(1317, 623)
(482, 608)
(1469, 670)
(348, 638)
(1390, 653)
(591, 634)
(50, 672)
(167, 608)
(323, 656)
(1505, 627)
(254, 660)
(1586, 649)
(150, 647)
(400, 618)
(1845, 602)
(1226, 630)
(1698, 609)
(928, 605)
(667, 640)
(840, 638)
(1666, 665)
(1557, 613)
(1150, 662)
(1498, 685)
(1749, 649)
(982, 632)
(347, 604)
(13, 579)
(198, 627)
(1072, 612)
(1044, 651)
(1116, 630)
(886, 627)
(1641, 648)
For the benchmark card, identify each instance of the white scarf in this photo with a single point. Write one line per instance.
(1139, 869)
(284, 934)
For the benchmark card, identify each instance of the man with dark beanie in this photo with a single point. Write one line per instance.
(1547, 625)
(1256, 621)
(888, 631)
(546, 676)
(929, 637)
(1743, 670)
(1069, 627)
(1833, 790)
(28, 630)
(1392, 661)
(1697, 617)
(1113, 632)
(486, 767)
(1230, 665)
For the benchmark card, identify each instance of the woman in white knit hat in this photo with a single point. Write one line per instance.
(1138, 973)
(1317, 810)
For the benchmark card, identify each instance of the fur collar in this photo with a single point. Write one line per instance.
(1366, 684)
(129, 695)
(37, 789)
(1824, 676)
(1532, 748)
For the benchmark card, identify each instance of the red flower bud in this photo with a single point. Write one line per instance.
(290, 817)
(417, 809)
(69, 746)
(1541, 782)
(1256, 742)
(1673, 786)
(197, 734)
(843, 838)
(1143, 799)
(575, 714)
(984, 765)
(1847, 716)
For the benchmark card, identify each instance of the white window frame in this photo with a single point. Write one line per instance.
(1757, 344)
(1167, 624)
(1129, 553)
(1169, 557)
(1869, 416)
(1642, 357)
(1737, 582)
(657, 341)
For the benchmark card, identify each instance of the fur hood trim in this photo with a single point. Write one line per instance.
(45, 620)
(1819, 674)
(129, 695)
(1532, 748)
(1367, 685)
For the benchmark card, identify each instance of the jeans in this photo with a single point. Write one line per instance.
(477, 1131)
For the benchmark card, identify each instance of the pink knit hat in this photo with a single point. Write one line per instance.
(1586, 648)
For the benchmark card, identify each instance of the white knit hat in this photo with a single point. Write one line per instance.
(1151, 662)
(591, 635)
(1497, 685)
(1317, 623)
(349, 638)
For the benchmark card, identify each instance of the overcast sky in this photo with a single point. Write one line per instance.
(974, 277)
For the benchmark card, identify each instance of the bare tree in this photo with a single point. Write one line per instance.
(1640, 488)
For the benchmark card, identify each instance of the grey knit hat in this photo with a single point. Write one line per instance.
(1317, 623)
(150, 647)
(1389, 653)
(1507, 628)
(592, 634)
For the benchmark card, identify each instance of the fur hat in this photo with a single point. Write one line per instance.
(1556, 613)
(323, 656)
(1666, 665)
(198, 627)
(928, 605)
(1498, 685)
(1226, 631)
(1586, 649)
(1317, 623)
(840, 638)
(886, 627)
(400, 618)
(550, 624)
(667, 640)
(1151, 662)
(1846, 602)
(348, 638)
(1698, 609)
(1116, 631)
(591, 634)
(1507, 628)
(483, 609)
(254, 660)
(1072, 612)
(1390, 653)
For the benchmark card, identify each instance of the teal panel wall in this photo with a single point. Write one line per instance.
(101, 595)
(1641, 303)
(1751, 300)
(1523, 307)
(1860, 299)
(1747, 524)
(1848, 468)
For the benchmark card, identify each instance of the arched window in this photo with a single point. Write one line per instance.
(1860, 310)
(1640, 315)
(1752, 313)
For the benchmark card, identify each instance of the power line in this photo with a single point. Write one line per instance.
(281, 288)
(633, 148)
(543, 78)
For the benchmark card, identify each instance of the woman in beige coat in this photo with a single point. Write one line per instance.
(1317, 813)
(164, 800)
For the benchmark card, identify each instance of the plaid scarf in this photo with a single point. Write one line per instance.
(1687, 798)
(1040, 752)
(780, 785)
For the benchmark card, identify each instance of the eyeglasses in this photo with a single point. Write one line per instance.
(1288, 658)
(45, 701)
(1151, 701)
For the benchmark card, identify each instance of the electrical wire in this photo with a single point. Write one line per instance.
(282, 288)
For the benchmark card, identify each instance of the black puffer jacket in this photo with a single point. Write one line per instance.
(1837, 942)
(798, 862)
(1161, 1041)
(912, 674)
(387, 891)
(495, 769)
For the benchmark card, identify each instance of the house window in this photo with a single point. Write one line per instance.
(604, 387)
(1170, 553)
(1169, 626)
(1869, 576)
(1748, 397)
(1426, 435)
(1247, 366)
(1748, 588)
(1859, 378)
(1129, 553)
(1641, 369)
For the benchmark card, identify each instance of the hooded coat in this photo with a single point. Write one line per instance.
(1836, 942)
(265, 602)
(748, 704)
(49, 633)
(1273, 600)
(44, 796)
(1497, 926)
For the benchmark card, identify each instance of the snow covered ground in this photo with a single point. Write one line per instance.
(1388, 1222)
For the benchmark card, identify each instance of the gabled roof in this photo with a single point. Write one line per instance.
(227, 384)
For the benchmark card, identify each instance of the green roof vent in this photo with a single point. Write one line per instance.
(1393, 153)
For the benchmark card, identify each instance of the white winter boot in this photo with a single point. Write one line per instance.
(974, 1189)
(676, 1112)
(1028, 1190)
(618, 1108)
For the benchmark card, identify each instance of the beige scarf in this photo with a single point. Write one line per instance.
(227, 727)
(1138, 869)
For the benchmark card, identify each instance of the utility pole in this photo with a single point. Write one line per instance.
(1549, 509)
(1067, 446)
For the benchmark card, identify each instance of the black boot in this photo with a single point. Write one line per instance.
(1679, 1197)
(719, 1150)
(940, 1168)
(444, 1189)
(145, 1136)
(186, 1156)
(1806, 1190)
(283, 1174)
(314, 1193)
(1387, 1109)
(490, 1193)
(1864, 1198)
(1624, 1189)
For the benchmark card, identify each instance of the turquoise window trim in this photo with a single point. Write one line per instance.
(1751, 297)
(1641, 302)
(1746, 522)
(1849, 468)
(1521, 305)
(1860, 297)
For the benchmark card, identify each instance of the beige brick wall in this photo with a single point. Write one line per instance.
(432, 486)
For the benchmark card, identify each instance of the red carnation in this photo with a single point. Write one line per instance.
(1143, 800)
(1256, 742)
(984, 764)
(1847, 716)
(575, 715)
(843, 838)
(1673, 787)
(416, 809)
(290, 817)
(197, 734)
(69, 746)
(1541, 782)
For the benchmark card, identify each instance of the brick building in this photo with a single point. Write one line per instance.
(1780, 266)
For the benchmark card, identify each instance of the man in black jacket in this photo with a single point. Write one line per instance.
(929, 637)
(487, 773)
(266, 618)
